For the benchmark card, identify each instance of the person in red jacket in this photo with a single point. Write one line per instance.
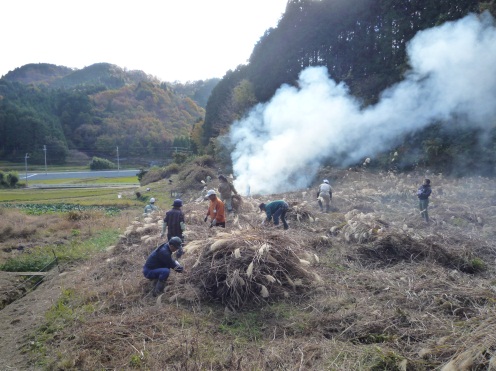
(216, 210)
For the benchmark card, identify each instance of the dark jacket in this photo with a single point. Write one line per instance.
(424, 192)
(273, 206)
(161, 257)
(173, 219)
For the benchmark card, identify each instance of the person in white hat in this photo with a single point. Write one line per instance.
(151, 206)
(216, 210)
(324, 195)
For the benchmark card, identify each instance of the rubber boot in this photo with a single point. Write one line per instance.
(159, 288)
(320, 205)
(327, 208)
(153, 282)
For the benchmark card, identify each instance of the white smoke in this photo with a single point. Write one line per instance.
(280, 144)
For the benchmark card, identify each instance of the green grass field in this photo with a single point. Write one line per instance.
(99, 180)
(81, 196)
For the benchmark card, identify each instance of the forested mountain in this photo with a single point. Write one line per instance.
(199, 91)
(99, 74)
(363, 45)
(94, 110)
(40, 73)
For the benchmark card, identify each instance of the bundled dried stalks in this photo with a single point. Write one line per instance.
(238, 270)
(361, 227)
(301, 213)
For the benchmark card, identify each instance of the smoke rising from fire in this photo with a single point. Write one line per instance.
(280, 144)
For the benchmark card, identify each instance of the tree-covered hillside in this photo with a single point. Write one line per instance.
(363, 45)
(102, 75)
(94, 110)
(199, 91)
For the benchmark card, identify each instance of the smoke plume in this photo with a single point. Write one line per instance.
(280, 144)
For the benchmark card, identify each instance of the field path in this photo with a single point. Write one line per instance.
(21, 318)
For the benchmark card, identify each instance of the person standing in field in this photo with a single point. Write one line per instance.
(215, 211)
(174, 223)
(324, 195)
(423, 194)
(226, 190)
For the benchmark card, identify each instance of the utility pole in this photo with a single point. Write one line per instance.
(26, 166)
(44, 150)
(118, 166)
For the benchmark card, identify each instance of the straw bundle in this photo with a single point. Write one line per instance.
(300, 213)
(237, 270)
(360, 227)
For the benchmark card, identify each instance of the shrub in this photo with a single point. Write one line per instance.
(171, 169)
(180, 158)
(478, 264)
(141, 174)
(204, 161)
(12, 179)
(98, 163)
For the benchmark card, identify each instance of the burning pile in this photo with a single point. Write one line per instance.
(252, 268)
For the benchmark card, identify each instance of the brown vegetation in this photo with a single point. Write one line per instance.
(367, 286)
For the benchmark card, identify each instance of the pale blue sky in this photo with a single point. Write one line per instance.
(170, 39)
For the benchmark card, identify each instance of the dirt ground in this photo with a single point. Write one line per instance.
(19, 319)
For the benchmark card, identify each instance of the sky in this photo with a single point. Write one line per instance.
(279, 145)
(173, 40)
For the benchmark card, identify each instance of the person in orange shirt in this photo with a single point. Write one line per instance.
(216, 210)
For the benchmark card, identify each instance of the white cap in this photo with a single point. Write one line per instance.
(152, 200)
(210, 193)
(326, 181)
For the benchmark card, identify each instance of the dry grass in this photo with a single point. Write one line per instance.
(367, 286)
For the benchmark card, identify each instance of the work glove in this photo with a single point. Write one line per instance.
(206, 218)
(178, 267)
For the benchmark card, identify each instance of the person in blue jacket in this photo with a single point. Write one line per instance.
(160, 262)
(275, 210)
(423, 194)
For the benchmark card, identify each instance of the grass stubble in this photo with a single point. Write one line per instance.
(368, 286)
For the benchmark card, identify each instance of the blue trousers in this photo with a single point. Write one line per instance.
(281, 213)
(160, 274)
(424, 205)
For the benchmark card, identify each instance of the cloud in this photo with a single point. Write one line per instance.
(280, 144)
